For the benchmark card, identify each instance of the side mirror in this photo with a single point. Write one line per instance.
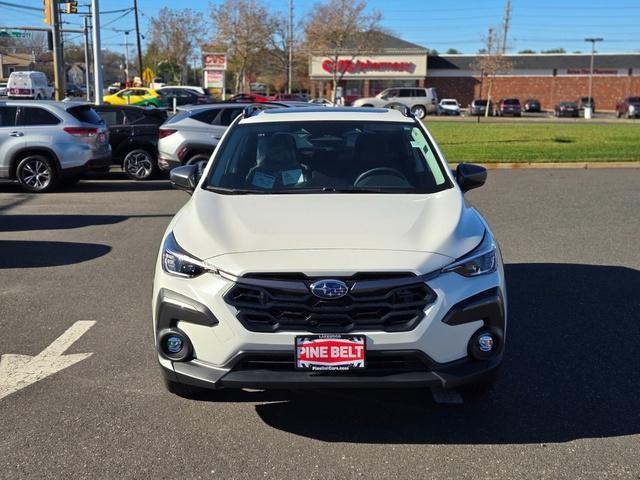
(184, 178)
(470, 176)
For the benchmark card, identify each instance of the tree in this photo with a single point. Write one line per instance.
(243, 29)
(342, 28)
(527, 50)
(433, 52)
(174, 34)
(554, 50)
(491, 63)
(453, 51)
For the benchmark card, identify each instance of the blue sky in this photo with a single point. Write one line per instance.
(438, 25)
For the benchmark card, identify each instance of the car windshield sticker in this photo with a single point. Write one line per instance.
(263, 180)
(421, 144)
(292, 177)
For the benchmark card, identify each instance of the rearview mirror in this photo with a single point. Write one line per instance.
(470, 176)
(184, 178)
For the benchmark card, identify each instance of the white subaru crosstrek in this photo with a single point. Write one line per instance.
(328, 248)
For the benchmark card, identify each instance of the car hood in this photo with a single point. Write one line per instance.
(450, 107)
(438, 226)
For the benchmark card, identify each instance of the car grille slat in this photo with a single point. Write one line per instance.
(380, 302)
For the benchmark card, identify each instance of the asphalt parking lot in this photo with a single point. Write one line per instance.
(566, 405)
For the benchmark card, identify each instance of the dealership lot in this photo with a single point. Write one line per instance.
(566, 404)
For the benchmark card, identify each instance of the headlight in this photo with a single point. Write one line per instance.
(632, 108)
(175, 261)
(479, 261)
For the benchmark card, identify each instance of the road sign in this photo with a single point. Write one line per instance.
(15, 34)
(214, 61)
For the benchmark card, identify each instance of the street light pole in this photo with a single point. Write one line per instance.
(587, 113)
(97, 52)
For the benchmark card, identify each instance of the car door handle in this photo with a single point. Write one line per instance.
(217, 137)
(16, 134)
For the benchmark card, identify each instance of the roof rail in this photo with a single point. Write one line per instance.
(249, 110)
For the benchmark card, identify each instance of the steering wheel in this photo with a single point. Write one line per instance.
(380, 171)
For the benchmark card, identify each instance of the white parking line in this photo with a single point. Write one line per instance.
(19, 371)
(440, 395)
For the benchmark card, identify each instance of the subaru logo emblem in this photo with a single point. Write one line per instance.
(329, 289)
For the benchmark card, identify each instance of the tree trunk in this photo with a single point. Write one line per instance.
(486, 111)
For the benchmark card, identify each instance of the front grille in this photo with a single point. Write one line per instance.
(379, 362)
(270, 303)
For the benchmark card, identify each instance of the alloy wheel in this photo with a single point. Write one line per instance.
(36, 174)
(138, 165)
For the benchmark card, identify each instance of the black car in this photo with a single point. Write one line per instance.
(73, 90)
(183, 96)
(532, 105)
(133, 135)
(586, 102)
(509, 106)
(566, 109)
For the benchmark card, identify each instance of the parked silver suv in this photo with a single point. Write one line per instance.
(421, 101)
(191, 135)
(44, 142)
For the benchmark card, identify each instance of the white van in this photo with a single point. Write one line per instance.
(29, 85)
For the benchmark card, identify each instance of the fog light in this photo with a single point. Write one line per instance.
(485, 342)
(174, 345)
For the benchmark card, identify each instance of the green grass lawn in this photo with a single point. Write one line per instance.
(531, 142)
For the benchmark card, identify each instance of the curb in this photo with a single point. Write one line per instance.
(556, 165)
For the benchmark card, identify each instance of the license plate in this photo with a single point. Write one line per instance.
(330, 353)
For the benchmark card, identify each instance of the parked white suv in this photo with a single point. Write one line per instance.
(325, 248)
(43, 143)
(421, 101)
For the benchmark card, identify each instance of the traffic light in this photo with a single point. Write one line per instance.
(72, 6)
(47, 11)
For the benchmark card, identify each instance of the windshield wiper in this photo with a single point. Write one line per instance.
(235, 191)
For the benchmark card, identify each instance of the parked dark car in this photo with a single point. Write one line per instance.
(133, 135)
(531, 105)
(585, 102)
(566, 109)
(509, 106)
(183, 96)
(479, 106)
(629, 107)
(73, 90)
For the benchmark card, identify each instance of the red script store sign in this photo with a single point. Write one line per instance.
(359, 66)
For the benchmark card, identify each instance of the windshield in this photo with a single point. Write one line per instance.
(325, 157)
(449, 102)
(634, 99)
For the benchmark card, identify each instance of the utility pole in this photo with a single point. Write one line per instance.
(126, 57)
(135, 11)
(290, 42)
(58, 61)
(589, 110)
(87, 78)
(506, 19)
(97, 52)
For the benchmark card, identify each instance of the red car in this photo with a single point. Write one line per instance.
(249, 98)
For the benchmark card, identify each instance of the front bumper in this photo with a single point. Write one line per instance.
(265, 360)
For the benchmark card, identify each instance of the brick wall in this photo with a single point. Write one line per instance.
(607, 91)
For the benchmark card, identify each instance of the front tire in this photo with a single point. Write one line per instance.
(140, 164)
(37, 173)
(419, 111)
